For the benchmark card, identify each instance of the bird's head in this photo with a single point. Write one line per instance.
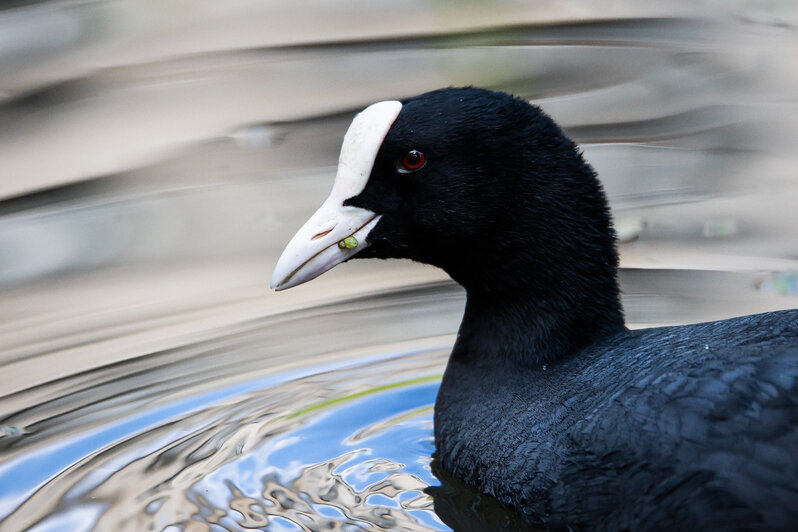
(479, 183)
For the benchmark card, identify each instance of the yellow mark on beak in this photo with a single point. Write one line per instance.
(349, 242)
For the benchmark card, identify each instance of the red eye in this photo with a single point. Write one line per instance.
(413, 160)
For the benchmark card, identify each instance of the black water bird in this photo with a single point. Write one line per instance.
(548, 402)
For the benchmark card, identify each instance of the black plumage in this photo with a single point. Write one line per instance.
(548, 402)
(689, 428)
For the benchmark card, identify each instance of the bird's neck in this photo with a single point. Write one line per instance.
(532, 324)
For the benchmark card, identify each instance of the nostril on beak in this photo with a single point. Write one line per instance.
(319, 235)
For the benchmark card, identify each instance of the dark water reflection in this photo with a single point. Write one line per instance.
(156, 161)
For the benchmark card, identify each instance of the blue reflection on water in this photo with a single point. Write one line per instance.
(407, 442)
(327, 435)
(21, 477)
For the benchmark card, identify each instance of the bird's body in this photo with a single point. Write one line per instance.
(626, 434)
(548, 402)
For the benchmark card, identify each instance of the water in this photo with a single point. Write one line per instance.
(156, 161)
(298, 450)
(183, 439)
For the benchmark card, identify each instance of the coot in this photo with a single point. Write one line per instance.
(548, 402)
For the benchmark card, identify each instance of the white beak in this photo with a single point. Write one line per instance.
(336, 232)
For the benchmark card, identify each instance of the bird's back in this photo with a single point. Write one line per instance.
(694, 426)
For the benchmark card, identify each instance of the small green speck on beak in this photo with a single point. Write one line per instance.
(349, 242)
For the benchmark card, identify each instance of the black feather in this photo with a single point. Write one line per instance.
(548, 403)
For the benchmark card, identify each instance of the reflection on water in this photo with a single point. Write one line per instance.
(234, 410)
(292, 448)
(303, 449)
(156, 160)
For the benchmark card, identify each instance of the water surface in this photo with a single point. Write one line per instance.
(156, 161)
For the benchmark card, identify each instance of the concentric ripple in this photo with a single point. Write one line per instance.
(304, 452)
(153, 168)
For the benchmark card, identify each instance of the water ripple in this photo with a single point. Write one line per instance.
(248, 455)
(156, 162)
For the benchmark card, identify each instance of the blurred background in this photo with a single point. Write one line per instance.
(156, 156)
